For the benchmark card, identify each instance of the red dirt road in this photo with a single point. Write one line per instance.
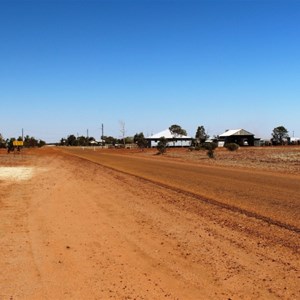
(80, 230)
(252, 192)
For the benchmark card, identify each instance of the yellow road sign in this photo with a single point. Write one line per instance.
(18, 143)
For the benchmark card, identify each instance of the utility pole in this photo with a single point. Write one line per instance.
(22, 134)
(102, 134)
(122, 130)
(87, 133)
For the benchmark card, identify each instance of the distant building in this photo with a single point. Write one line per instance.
(295, 140)
(174, 140)
(237, 136)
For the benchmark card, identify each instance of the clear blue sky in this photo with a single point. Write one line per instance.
(69, 66)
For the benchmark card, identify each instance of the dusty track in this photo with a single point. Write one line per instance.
(250, 193)
(78, 230)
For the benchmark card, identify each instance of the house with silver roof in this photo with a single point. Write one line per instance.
(241, 137)
(174, 140)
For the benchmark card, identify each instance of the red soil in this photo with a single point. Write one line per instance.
(132, 225)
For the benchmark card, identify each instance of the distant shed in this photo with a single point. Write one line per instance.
(238, 136)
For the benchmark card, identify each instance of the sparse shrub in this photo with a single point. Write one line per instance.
(232, 146)
(211, 153)
(209, 146)
(162, 145)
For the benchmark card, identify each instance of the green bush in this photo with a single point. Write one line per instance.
(205, 146)
(209, 146)
(232, 146)
(162, 145)
(210, 153)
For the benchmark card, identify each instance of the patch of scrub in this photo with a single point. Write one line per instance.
(16, 173)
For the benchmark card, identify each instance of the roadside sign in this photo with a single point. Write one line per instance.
(18, 143)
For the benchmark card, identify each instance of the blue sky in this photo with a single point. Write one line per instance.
(69, 66)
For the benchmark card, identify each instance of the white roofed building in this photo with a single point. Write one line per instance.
(295, 140)
(241, 137)
(174, 140)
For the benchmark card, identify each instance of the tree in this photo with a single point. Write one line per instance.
(140, 140)
(63, 142)
(71, 140)
(279, 135)
(201, 136)
(162, 145)
(2, 141)
(110, 140)
(29, 142)
(82, 141)
(177, 130)
(10, 144)
(128, 140)
(41, 143)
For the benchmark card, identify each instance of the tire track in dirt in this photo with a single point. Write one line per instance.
(210, 201)
(205, 240)
(98, 233)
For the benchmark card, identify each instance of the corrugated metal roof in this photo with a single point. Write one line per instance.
(168, 135)
(235, 132)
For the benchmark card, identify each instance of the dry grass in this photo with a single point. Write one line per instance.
(279, 159)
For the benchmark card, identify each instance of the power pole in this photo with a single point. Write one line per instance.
(122, 130)
(22, 134)
(102, 136)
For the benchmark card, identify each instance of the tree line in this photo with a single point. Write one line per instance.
(28, 142)
(279, 136)
(72, 140)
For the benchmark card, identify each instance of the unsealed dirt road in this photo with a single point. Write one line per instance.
(78, 229)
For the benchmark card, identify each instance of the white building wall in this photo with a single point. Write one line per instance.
(174, 144)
